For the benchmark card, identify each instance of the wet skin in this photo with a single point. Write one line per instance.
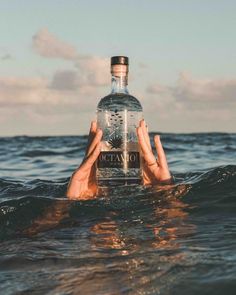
(83, 184)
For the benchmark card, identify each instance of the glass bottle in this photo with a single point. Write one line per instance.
(118, 115)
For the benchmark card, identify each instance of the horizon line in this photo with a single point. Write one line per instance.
(157, 132)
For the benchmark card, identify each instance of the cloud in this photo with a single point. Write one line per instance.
(94, 70)
(156, 88)
(63, 94)
(67, 90)
(65, 80)
(205, 90)
(192, 105)
(6, 56)
(187, 106)
(31, 92)
(70, 95)
(143, 65)
(194, 92)
(21, 91)
(48, 45)
(90, 71)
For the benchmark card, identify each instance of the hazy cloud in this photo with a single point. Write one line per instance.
(48, 45)
(16, 91)
(66, 91)
(60, 95)
(93, 70)
(192, 91)
(6, 56)
(65, 80)
(205, 90)
(71, 95)
(157, 88)
(20, 91)
(90, 71)
(143, 65)
(192, 105)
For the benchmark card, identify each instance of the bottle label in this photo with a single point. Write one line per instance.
(118, 160)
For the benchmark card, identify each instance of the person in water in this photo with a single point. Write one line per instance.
(83, 184)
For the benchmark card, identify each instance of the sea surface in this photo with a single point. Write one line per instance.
(173, 239)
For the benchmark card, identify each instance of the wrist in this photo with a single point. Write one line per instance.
(167, 180)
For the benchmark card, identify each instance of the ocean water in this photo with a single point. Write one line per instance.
(178, 239)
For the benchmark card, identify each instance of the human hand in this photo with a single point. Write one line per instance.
(154, 170)
(83, 184)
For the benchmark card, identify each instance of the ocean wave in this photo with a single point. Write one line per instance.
(172, 239)
(23, 202)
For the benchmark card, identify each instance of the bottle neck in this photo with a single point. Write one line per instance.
(119, 80)
(119, 84)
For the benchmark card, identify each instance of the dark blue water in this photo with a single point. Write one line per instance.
(178, 239)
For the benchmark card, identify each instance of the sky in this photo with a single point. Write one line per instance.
(54, 63)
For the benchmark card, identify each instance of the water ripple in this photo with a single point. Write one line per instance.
(173, 239)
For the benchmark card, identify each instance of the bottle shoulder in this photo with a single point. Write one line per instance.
(119, 101)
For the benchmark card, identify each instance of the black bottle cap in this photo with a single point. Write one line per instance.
(119, 60)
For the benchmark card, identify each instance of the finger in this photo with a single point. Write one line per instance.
(92, 132)
(93, 155)
(160, 151)
(93, 128)
(147, 153)
(142, 141)
(145, 134)
(97, 138)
